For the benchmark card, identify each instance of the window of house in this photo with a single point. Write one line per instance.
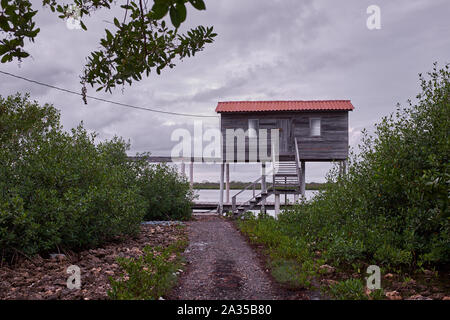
(314, 127)
(253, 126)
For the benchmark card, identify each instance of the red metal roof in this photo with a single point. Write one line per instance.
(264, 106)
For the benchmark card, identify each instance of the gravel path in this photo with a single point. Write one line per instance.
(221, 265)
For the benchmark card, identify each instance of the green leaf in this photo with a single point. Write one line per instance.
(34, 33)
(181, 11)
(6, 58)
(4, 23)
(83, 26)
(3, 49)
(198, 4)
(27, 16)
(22, 54)
(160, 9)
(109, 35)
(117, 23)
(174, 17)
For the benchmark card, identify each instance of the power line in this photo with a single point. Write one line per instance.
(108, 101)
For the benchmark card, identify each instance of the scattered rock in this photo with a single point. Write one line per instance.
(329, 282)
(438, 296)
(421, 287)
(93, 259)
(446, 298)
(418, 297)
(428, 272)
(410, 283)
(47, 278)
(57, 257)
(388, 276)
(393, 295)
(327, 269)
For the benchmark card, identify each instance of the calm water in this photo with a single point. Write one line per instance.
(213, 195)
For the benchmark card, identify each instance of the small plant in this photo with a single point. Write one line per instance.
(407, 279)
(290, 273)
(377, 294)
(248, 216)
(228, 214)
(150, 276)
(351, 289)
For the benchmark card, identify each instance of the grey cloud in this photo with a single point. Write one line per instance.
(265, 49)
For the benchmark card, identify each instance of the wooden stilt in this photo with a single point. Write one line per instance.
(296, 197)
(303, 179)
(263, 186)
(227, 179)
(285, 194)
(183, 169)
(222, 167)
(344, 167)
(191, 173)
(277, 204)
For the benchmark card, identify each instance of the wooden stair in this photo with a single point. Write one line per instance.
(286, 176)
(286, 179)
(251, 203)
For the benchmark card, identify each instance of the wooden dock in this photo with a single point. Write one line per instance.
(203, 205)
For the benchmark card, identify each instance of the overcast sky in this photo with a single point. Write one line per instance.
(265, 50)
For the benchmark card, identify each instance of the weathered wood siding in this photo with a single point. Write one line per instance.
(333, 141)
(332, 144)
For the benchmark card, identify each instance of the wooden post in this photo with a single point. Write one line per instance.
(263, 187)
(191, 173)
(303, 181)
(222, 167)
(295, 197)
(285, 193)
(344, 165)
(277, 204)
(227, 179)
(183, 169)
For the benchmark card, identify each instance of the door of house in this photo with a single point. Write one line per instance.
(285, 136)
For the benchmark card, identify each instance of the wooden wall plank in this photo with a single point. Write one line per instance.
(331, 145)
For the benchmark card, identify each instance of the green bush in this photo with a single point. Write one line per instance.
(60, 189)
(390, 209)
(392, 206)
(167, 193)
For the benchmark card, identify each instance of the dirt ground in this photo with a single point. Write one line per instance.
(46, 278)
(221, 265)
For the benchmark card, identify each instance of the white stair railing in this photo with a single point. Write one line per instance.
(297, 164)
